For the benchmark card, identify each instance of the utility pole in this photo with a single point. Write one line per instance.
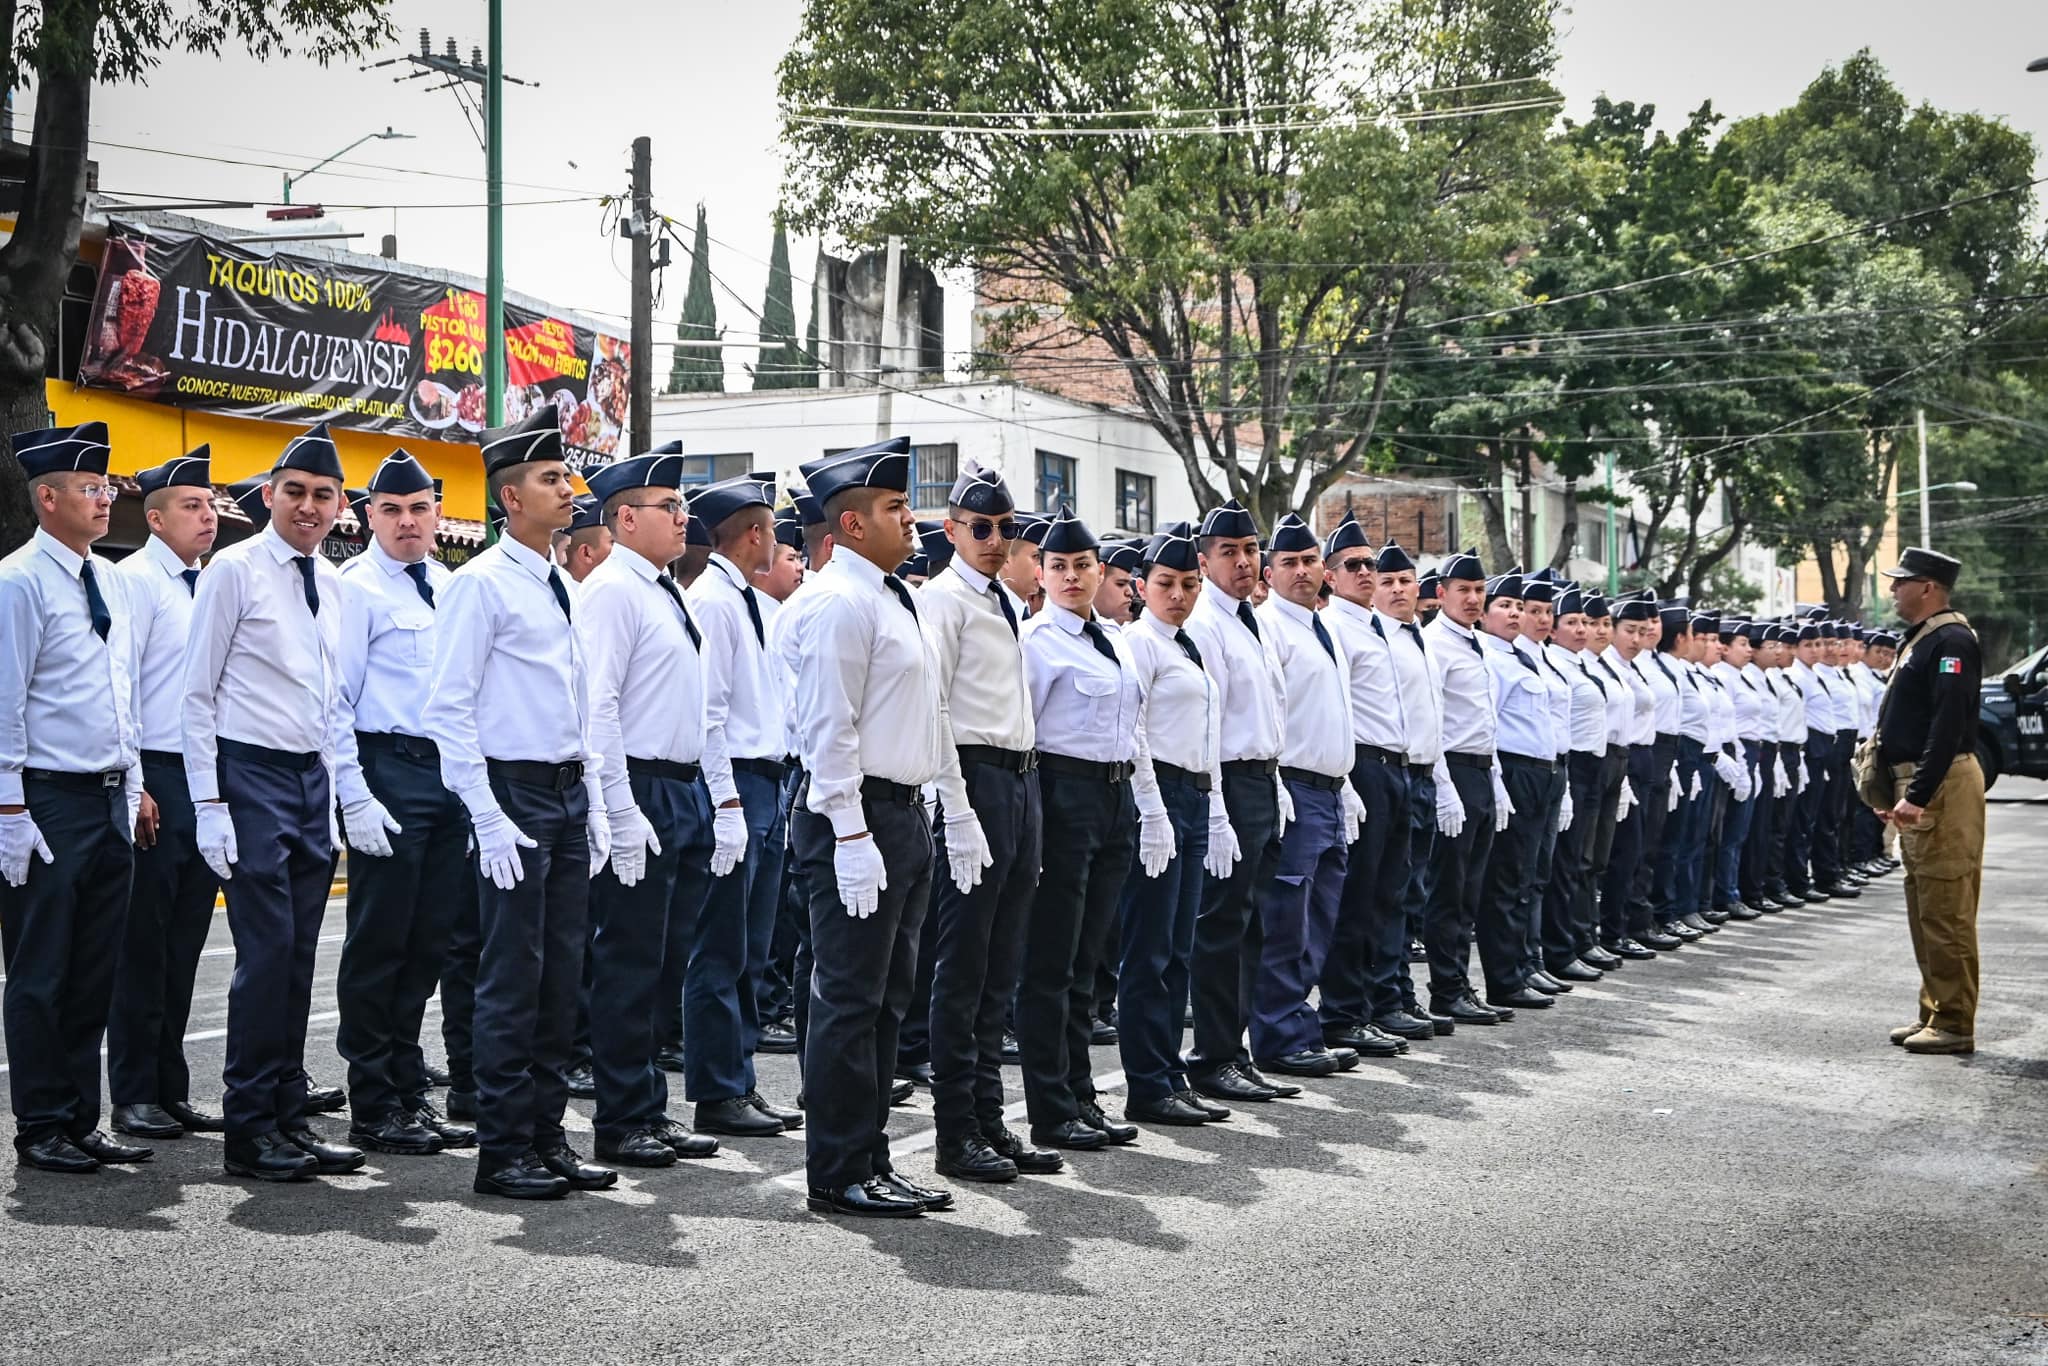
(885, 359)
(640, 227)
(1920, 423)
(1613, 550)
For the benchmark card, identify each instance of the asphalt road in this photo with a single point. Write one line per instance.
(1711, 1158)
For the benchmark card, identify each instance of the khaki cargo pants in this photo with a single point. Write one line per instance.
(1944, 857)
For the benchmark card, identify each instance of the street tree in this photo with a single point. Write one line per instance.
(781, 362)
(697, 368)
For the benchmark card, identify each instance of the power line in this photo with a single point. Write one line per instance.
(1160, 130)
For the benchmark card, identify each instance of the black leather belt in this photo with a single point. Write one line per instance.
(1526, 761)
(263, 754)
(1422, 770)
(163, 756)
(772, 769)
(1617, 751)
(1118, 772)
(77, 782)
(1264, 767)
(670, 769)
(1459, 759)
(1377, 755)
(1015, 760)
(404, 746)
(1175, 773)
(533, 773)
(1310, 778)
(882, 790)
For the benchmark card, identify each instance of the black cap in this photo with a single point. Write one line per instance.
(311, 452)
(981, 490)
(654, 470)
(1173, 548)
(1922, 563)
(1291, 534)
(1636, 607)
(193, 469)
(1596, 606)
(789, 529)
(1067, 534)
(883, 465)
(358, 504)
(933, 545)
(537, 436)
(401, 473)
(1230, 520)
(1426, 586)
(1571, 602)
(1034, 525)
(1536, 589)
(1392, 559)
(1508, 585)
(1125, 555)
(248, 496)
(809, 510)
(713, 503)
(589, 513)
(63, 450)
(1463, 565)
(1349, 535)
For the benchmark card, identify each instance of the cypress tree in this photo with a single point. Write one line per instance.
(698, 369)
(780, 364)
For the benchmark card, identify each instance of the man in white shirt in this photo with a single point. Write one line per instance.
(1747, 702)
(1831, 835)
(404, 891)
(1617, 794)
(1396, 603)
(1540, 592)
(1122, 561)
(171, 907)
(258, 712)
(1624, 918)
(508, 708)
(774, 1001)
(1569, 928)
(1227, 938)
(1369, 947)
(867, 721)
(1804, 861)
(70, 793)
(583, 545)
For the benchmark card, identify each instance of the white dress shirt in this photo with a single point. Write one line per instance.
(1377, 715)
(509, 680)
(1316, 689)
(1694, 721)
(785, 642)
(1247, 676)
(867, 696)
(1869, 692)
(1560, 690)
(1587, 722)
(67, 698)
(1468, 687)
(1522, 700)
(1747, 699)
(1181, 718)
(1083, 706)
(1616, 696)
(1791, 707)
(1841, 696)
(743, 697)
(260, 666)
(980, 664)
(1819, 694)
(384, 658)
(1642, 729)
(1663, 673)
(161, 608)
(1421, 690)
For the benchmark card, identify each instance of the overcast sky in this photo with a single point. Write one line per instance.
(699, 78)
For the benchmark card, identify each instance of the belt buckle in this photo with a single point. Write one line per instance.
(111, 778)
(567, 776)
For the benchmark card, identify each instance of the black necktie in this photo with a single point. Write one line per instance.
(1187, 646)
(1100, 640)
(305, 564)
(1664, 668)
(1003, 601)
(1251, 623)
(754, 615)
(561, 593)
(1323, 636)
(1412, 629)
(191, 578)
(902, 593)
(1526, 662)
(675, 595)
(1473, 641)
(95, 604)
(419, 581)
(1588, 672)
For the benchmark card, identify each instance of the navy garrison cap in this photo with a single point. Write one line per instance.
(789, 529)
(1572, 601)
(401, 473)
(1229, 520)
(1732, 627)
(1706, 623)
(1508, 585)
(194, 470)
(1125, 555)
(1034, 526)
(1538, 589)
(1173, 548)
(1807, 631)
(713, 503)
(1463, 565)
(312, 452)
(883, 465)
(1922, 563)
(654, 470)
(1597, 607)
(809, 510)
(1349, 535)
(981, 490)
(63, 450)
(1067, 534)
(358, 504)
(538, 436)
(697, 533)
(1290, 535)
(589, 513)
(933, 545)
(1636, 607)
(1392, 559)
(248, 496)
(1426, 587)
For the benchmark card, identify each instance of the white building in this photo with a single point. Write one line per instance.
(1114, 469)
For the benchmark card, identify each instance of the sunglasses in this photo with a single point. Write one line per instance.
(1354, 566)
(981, 531)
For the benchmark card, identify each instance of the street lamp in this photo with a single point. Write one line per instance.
(1960, 486)
(388, 135)
(2038, 64)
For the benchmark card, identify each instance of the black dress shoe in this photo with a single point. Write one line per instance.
(268, 1157)
(323, 1100)
(146, 1121)
(1401, 1025)
(437, 1076)
(1030, 1161)
(1758, 904)
(1347, 1058)
(1629, 950)
(1011, 1055)
(1282, 1090)
(192, 1120)
(1444, 1025)
(103, 1148)
(1073, 1134)
(1812, 896)
(1694, 920)
(735, 1117)
(1092, 1116)
(933, 1198)
(452, 1135)
(1575, 971)
(670, 1059)
(56, 1153)
(971, 1159)
(1369, 1041)
(637, 1149)
(1718, 915)
(899, 1094)
(1548, 985)
(1171, 1110)
(1465, 1010)
(1210, 1110)
(1226, 1083)
(329, 1159)
(1660, 941)
(1102, 1032)
(1521, 998)
(1841, 891)
(582, 1082)
(1599, 957)
(524, 1179)
(1741, 911)
(683, 1142)
(777, 1036)
(868, 1200)
(398, 1132)
(1685, 933)
(788, 1119)
(565, 1162)
(461, 1104)
(916, 1073)
(1309, 1062)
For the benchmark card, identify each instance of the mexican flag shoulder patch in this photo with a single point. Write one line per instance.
(1948, 664)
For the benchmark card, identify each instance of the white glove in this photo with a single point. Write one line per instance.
(1747, 788)
(1354, 814)
(728, 839)
(857, 863)
(597, 829)
(1729, 772)
(369, 827)
(1503, 805)
(21, 840)
(1565, 813)
(633, 843)
(1450, 811)
(1223, 850)
(967, 851)
(1781, 783)
(1802, 773)
(1155, 842)
(1626, 802)
(1286, 803)
(498, 843)
(216, 838)
(334, 828)
(1695, 793)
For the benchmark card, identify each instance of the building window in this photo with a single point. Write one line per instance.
(1134, 502)
(1055, 481)
(715, 469)
(933, 470)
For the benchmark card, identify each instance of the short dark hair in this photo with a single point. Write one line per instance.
(729, 531)
(857, 498)
(815, 536)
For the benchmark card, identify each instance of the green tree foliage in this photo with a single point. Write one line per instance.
(699, 369)
(782, 364)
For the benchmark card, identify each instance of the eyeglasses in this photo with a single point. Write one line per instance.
(94, 492)
(981, 531)
(1354, 566)
(672, 506)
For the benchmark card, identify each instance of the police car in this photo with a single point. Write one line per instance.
(2012, 721)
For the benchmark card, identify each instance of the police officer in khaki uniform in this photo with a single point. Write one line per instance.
(1924, 745)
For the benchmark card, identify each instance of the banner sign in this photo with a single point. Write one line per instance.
(197, 322)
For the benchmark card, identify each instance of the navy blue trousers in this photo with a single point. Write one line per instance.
(1734, 834)
(1674, 893)
(1227, 932)
(1422, 838)
(1619, 915)
(1505, 925)
(1298, 918)
(1458, 878)
(170, 912)
(719, 1019)
(1369, 949)
(1571, 863)
(1158, 937)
